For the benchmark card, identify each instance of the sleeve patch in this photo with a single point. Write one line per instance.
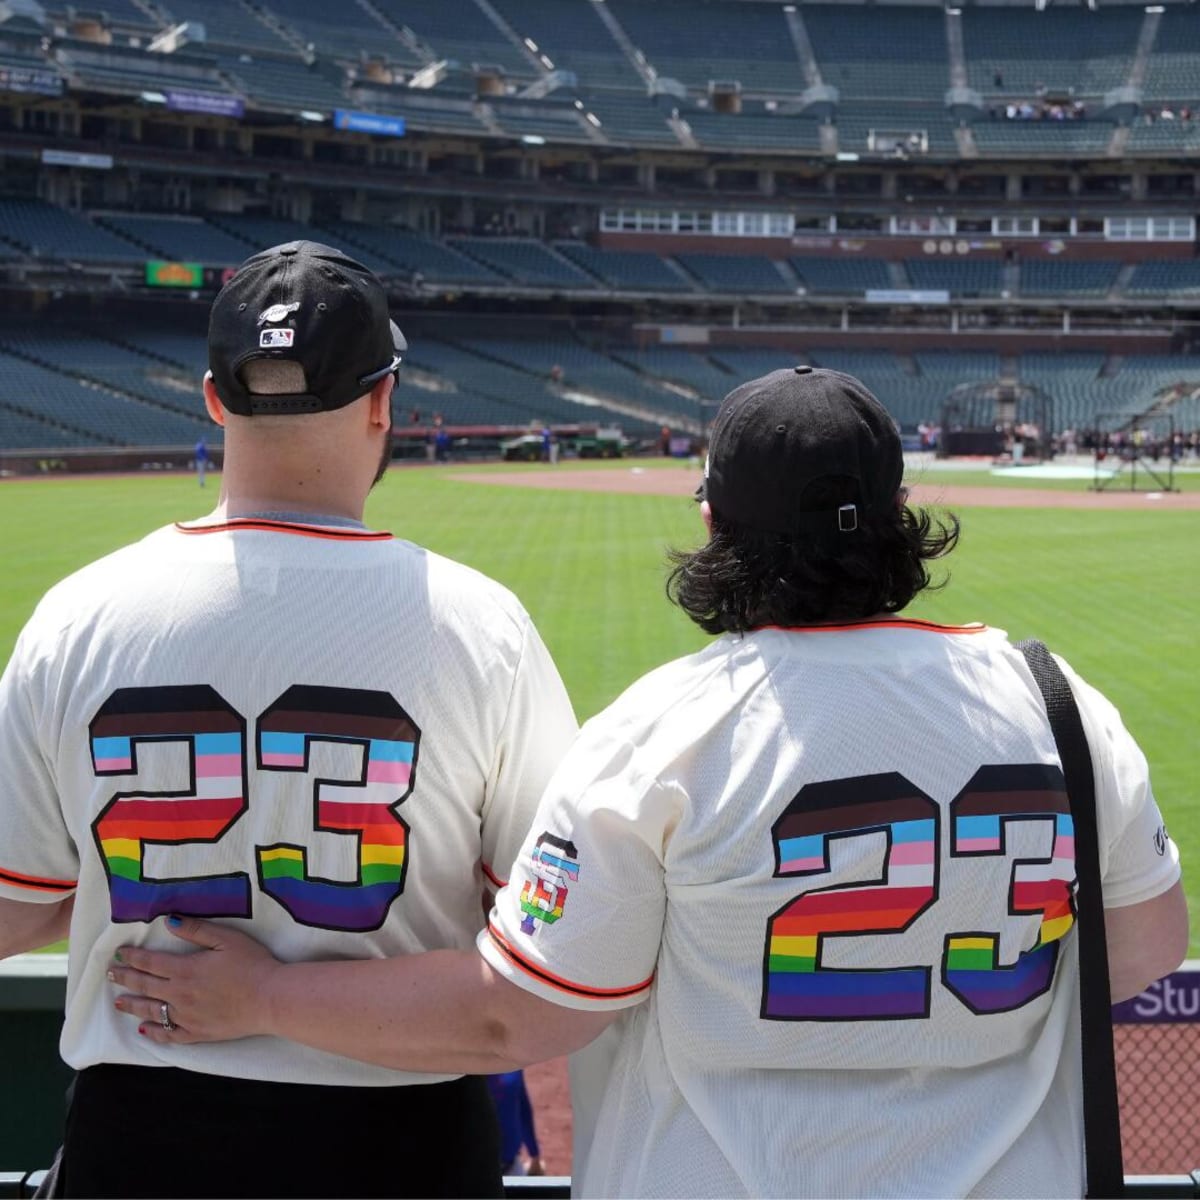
(553, 864)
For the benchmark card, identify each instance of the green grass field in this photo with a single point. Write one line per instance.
(1114, 592)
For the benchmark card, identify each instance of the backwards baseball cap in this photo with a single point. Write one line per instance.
(310, 304)
(802, 451)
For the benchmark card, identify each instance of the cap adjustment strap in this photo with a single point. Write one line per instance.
(847, 516)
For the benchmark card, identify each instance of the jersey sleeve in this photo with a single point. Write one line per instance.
(580, 921)
(38, 859)
(538, 727)
(1138, 859)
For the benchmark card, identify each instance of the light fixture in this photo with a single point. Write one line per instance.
(154, 98)
(533, 139)
(314, 118)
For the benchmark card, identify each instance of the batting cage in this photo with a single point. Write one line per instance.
(997, 417)
(1134, 452)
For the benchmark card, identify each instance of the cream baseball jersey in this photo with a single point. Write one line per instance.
(831, 874)
(329, 734)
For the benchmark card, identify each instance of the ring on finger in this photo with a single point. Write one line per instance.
(164, 1017)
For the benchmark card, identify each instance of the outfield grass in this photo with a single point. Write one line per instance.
(1114, 592)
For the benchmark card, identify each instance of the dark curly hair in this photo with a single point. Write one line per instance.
(744, 578)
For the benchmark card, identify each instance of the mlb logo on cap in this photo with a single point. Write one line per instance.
(317, 308)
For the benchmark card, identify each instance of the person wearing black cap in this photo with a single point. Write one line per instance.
(814, 882)
(280, 719)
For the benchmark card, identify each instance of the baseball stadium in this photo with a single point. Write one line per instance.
(594, 219)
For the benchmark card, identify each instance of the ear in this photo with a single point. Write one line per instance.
(212, 401)
(706, 514)
(379, 410)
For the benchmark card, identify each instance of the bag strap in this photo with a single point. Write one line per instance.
(1101, 1113)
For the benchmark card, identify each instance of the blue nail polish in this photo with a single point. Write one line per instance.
(174, 922)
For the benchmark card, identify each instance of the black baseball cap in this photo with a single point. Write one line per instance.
(307, 303)
(802, 451)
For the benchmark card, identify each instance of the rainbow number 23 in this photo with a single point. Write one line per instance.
(216, 796)
(797, 986)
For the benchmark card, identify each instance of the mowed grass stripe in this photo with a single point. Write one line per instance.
(1114, 592)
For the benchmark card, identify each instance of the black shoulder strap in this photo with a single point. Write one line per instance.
(1101, 1114)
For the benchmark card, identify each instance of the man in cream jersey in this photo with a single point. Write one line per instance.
(277, 718)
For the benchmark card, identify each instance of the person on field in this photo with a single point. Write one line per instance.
(201, 460)
(278, 717)
(815, 881)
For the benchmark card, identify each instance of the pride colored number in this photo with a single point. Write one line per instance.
(798, 986)
(214, 734)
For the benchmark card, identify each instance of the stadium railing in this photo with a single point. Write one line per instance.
(15, 1185)
(1158, 1073)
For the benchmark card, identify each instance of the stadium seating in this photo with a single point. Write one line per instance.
(390, 251)
(857, 120)
(574, 39)
(720, 40)
(93, 412)
(227, 23)
(840, 276)
(341, 31)
(1062, 50)
(631, 117)
(283, 84)
(630, 270)
(257, 233)
(897, 54)
(188, 351)
(745, 363)
(96, 360)
(44, 231)
(727, 131)
(443, 111)
(1171, 69)
(458, 30)
(1048, 277)
(1180, 278)
(580, 368)
(1054, 138)
(1069, 380)
(686, 368)
(556, 119)
(22, 431)
(485, 390)
(123, 13)
(182, 239)
(527, 261)
(737, 273)
(959, 276)
(130, 70)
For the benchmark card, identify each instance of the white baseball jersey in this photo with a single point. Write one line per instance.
(324, 735)
(830, 872)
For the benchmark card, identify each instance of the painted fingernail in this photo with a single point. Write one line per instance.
(174, 922)
(119, 1005)
(118, 959)
(112, 976)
